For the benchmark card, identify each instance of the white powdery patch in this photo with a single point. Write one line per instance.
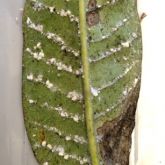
(32, 101)
(95, 92)
(30, 77)
(99, 138)
(39, 54)
(128, 89)
(37, 145)
(30, 24)
(62, 66)
(76, 118)
(68, 138)
(136, 81)
(52, 9)
(49, 146)
(51, 86)
(63, 113)
(39, 79)
(125, 92)
(75, 96)
(60, 150)
(57, 39)
(78, 139)
(38, 46)
(45, 163)
(111, 51)
(54, 37)
(125, 44)
(48, 84)
(43, 143)
(79, 71)
(75, 138)
(59, 65)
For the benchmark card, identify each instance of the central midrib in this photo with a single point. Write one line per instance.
(86, 87)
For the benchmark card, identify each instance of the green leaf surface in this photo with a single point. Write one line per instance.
(81, 73)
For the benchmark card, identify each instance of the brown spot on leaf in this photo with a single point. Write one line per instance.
(42, 135)
(116, 142)
(92, 18)
(92, 4)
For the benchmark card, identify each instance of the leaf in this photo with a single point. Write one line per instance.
(81, 73)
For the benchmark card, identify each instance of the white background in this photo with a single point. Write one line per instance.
(14, 147)
(149, 137)
(150, 118)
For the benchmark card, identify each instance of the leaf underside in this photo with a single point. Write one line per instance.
(53, 86)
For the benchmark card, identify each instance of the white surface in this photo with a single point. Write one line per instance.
(14, 148)
(149, 137)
